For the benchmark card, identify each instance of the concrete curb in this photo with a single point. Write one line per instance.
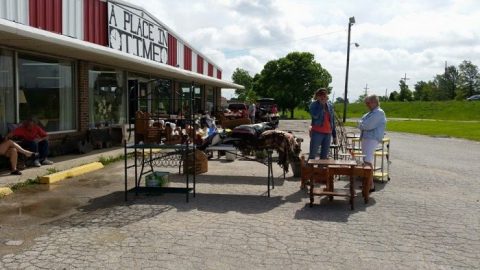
(76, 171)
(5, 191)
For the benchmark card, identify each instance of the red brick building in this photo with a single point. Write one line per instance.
(77, 65)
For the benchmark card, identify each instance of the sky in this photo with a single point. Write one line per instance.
(415, 38)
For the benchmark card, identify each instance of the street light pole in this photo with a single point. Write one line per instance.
(351, 21)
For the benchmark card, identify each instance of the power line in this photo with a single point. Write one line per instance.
(405, 78)
(366, 88)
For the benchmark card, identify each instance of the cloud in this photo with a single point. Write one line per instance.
(395, 37)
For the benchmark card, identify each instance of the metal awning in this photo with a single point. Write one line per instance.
(24, 37)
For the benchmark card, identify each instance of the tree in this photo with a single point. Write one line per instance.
(393, 96)
(361, 98)
(242, 77)
(383, 98)
(468, 81)
(405, 93)
(340, 100)
(291, 80)
(446, 84)
(423, 91)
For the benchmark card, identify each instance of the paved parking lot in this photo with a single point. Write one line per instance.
(426, 217)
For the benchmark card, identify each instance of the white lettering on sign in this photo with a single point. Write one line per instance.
(135, 35)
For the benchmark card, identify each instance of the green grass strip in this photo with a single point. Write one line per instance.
(465, 130)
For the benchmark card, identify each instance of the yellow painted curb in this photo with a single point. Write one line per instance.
(58, 176)
(5, 191)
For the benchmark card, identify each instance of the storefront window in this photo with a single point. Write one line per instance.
(46, 92)
(7, 104)
(184, 97)
(148, 95)
(209, 105)
(162, 98)
(107, 97)
(197, 97)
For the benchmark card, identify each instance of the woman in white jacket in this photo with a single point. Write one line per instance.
(372, 128)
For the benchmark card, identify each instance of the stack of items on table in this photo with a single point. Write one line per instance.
(148, 130)
(258, 137)
(230, 123)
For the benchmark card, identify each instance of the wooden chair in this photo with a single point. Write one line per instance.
(141, 125)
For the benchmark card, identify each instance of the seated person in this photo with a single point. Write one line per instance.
(34, 139)
(11, 149)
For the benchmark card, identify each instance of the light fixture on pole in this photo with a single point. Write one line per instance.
(351, 21)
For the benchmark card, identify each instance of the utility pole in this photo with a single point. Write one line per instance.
(405, 78)
(351, 21)
(366, 88)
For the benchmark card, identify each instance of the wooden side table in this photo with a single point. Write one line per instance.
(329, 168)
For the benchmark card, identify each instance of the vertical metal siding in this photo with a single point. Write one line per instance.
(210, 70)
(199, 64)
(14, 10)
(180, 55)
(72, 19)
(172, 50)
(187, 60)
(219, 74)
(95, 21)
(46, 14)
(194, 62)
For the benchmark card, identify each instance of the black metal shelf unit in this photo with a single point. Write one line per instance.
(151, 147)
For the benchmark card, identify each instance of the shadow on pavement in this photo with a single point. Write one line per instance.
(223, 203)
(230, 180)
(337, 210)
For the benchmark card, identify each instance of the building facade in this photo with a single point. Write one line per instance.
(76, 65)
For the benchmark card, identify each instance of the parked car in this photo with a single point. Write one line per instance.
(474, 97)
(239, 110)
(267, 111)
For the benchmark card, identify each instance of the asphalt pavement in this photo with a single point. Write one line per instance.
(426, 217)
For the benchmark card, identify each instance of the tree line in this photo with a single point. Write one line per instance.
(291, 81)
(455, 83)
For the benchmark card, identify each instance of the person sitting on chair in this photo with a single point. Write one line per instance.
(11, 149)
(35, 139)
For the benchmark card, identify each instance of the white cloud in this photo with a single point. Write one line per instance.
(395, 37)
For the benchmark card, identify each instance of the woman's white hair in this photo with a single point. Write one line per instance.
(373, 98)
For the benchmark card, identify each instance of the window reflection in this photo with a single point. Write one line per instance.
(107, 97)
(7, 104)
(46, 92)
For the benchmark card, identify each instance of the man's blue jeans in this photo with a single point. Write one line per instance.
(319, 140)
(41, 147)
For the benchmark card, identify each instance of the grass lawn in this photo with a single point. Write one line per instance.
(466, 130)
(439, 110)
(444, 113)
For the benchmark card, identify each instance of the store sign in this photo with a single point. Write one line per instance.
(135, 35)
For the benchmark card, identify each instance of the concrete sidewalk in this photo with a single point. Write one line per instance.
(61, 163)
